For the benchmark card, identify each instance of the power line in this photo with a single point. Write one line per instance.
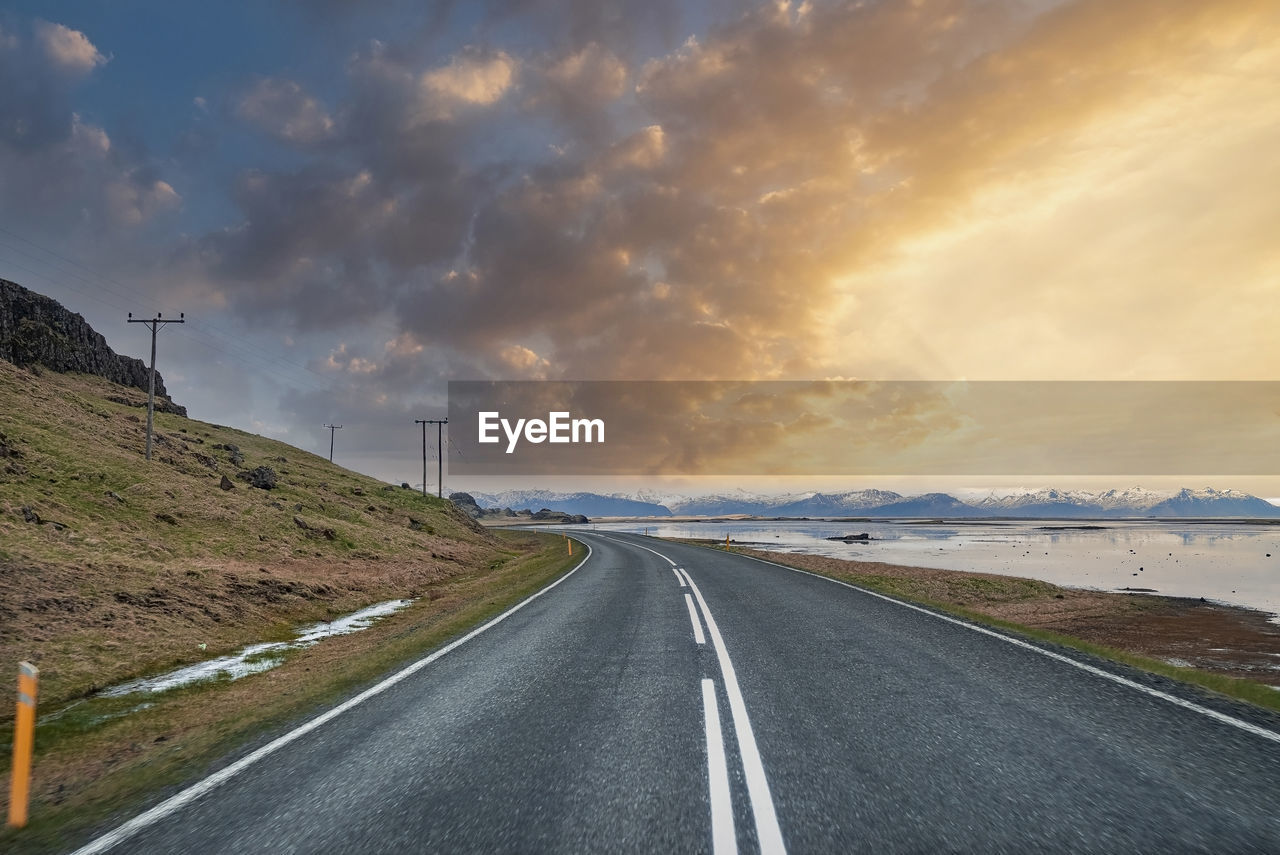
(134, 293)
(138, 293)
(203, 337)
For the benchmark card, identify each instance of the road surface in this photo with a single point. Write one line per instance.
(668, 698)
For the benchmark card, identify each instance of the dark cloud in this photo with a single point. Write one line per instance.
(584, 190)
(619, 25)
(699, 209)
(577, 88)
(35, 100)
(54, 160)
(284, 110)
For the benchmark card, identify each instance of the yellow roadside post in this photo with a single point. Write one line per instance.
(726, 541)
(23, 740)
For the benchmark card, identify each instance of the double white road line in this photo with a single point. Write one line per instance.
(723, 835)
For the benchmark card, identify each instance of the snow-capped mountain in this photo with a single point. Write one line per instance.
(928, 505)
(590, 504)
(658, 497)
(1134, 501)
(853, 503)
(736, 502)
(1040, 503)
(1037, 498)
(1214, 503)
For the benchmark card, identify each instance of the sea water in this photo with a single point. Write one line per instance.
(1223, 561)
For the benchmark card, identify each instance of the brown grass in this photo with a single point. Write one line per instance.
(134, 565)
(95, 770)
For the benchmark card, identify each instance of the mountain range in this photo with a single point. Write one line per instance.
(1045, 503)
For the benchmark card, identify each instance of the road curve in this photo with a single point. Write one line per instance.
(668, 698)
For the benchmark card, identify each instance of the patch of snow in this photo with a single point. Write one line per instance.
(257, 657)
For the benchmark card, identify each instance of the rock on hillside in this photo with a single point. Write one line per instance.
(37, 330)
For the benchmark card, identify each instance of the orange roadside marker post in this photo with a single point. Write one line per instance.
(23, 741)
(726, 541)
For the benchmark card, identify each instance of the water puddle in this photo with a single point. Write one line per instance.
(256, 657)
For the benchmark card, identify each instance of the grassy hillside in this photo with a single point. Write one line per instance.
(111, 566)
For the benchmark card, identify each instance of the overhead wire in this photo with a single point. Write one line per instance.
(193, 333)
(138, 294)
(207, 334)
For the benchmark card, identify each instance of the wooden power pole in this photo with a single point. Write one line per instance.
(332, 428)
(155, 324)
(439, 423)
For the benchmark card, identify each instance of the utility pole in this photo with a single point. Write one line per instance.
(332, 428)
(155, 324)
(439, 423)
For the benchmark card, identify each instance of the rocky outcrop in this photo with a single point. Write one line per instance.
(467, 504)
(263, 477)
(548, 515)
(36, 330)
(163, 405)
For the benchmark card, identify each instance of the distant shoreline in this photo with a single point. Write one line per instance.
(994, 520)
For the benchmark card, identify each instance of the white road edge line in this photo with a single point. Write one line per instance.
(768, 833)
(195, 791)
(678, 576)
(724, 838)
(1248, 727)
(697, 624)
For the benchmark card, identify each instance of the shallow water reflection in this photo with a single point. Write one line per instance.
(1215, 560)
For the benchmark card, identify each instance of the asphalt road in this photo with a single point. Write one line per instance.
(666, 698)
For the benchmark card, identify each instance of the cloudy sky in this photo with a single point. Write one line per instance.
(357, 202)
